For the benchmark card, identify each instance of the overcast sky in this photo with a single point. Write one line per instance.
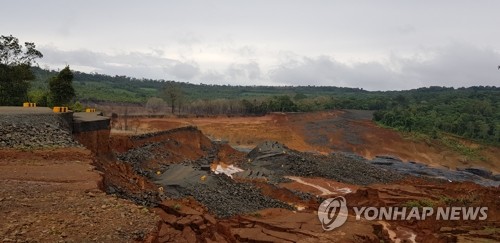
(375, 45)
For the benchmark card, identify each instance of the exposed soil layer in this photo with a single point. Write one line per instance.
(187, 221)
(96, 141)
(53, 195)
(301, 181)
(326, 132)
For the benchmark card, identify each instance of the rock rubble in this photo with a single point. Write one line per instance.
(34, 131)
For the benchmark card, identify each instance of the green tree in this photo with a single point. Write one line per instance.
(282, 103)
(173, 94)
(15, 72)
(61, 88)
(38, 96)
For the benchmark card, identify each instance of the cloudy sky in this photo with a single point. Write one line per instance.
(375, 45)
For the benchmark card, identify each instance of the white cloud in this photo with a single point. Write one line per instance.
(456, 65)
(244, 71)
(183, 71)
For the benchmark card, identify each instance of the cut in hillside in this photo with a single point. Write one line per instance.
(326, 132)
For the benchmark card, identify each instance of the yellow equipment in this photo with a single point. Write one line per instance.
(28, 104)
(60, 109)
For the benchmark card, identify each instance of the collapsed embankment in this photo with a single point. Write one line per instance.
(332, 131)
(201, 205)
(274, 198)
(51, 191)
(275, 176)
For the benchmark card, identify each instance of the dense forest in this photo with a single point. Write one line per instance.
(100, 87)
(472, 112)
(467, 112)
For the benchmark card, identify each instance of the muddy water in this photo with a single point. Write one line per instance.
(400, 235)
(323, 190)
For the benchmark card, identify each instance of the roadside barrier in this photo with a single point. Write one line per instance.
(90, 110)
(28, 104)
(60, 109)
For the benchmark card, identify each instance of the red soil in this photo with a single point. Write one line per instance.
(54, 195)
(327, 132)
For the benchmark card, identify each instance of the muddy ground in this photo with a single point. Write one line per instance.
(276, 196)
(169, 182)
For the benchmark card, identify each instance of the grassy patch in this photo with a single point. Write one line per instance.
(459, 201)
(451, 143)
(468, 152)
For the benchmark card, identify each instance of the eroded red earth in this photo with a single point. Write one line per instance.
(329, 131)
(57, 195)
(302, 224)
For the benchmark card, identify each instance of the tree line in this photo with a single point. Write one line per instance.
(16, 73)
(472, 112)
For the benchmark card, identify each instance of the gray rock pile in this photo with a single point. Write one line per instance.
(275, 161)
(34, 131)
(225, 197)
(267, 149)
(220, 194)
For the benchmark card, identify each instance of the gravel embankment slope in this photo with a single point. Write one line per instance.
(36, 130)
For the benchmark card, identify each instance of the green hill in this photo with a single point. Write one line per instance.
(99, 87)
(472, 112)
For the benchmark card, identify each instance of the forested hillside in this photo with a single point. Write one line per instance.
(472, 112)
(468, 112)
(99, 87)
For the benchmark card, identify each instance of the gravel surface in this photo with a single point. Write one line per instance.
(34, 131)
(220, 194)
(340, 167)
(272, 161)
(223, 196)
